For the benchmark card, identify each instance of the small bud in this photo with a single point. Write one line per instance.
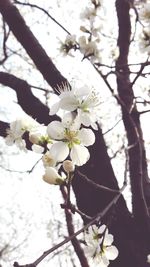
(84, 29)
(34, 138)
(51, 176)
(68, 166)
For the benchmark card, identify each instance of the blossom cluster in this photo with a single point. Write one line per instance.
(99, 248)
(144, 43)
(88, 42)
(64, 142)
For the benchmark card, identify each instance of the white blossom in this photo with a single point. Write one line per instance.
(85, 100)
(89, 14)
(39, 138)
(17, 129)
(38, 134)
(70, 140)
(145, 12)
(99, 246)
(144, 42)
(89, 49)
(68, 44)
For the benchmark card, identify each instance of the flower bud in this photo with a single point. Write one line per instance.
(68, 166)
(51, 176)
(34, 138)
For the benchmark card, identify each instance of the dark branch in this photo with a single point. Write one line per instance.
(3, 127)
(137, 158)
(29, 103)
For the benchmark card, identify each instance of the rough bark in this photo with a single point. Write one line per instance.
(130, 115)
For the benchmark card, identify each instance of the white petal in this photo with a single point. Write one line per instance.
(102, 229)
(59, 151)
(108, 240)
(9, 141)
(67, 119)
(86, 136)
(54, 108)
(37, 148)
(85, 119)
(83, 91)
(55, 130)
(69, 103)
(94, 126)
(105, 261)
(111, 252)
(79, 155)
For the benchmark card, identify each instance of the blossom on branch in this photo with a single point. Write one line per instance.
(144, 43)
(39, 138)
(99, 246)
(89, 49)
(70, 141)
(68, 44)
(84, 100)
(17, 130)
(145, 12)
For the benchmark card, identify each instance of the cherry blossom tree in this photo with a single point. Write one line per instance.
(70, 133)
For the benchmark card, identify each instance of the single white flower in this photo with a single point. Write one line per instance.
(68, 44)
(85, 100)
(99, 246)
(52, 176)
(70, 140)
(89, 49)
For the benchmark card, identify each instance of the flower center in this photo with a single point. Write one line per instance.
(71, 138)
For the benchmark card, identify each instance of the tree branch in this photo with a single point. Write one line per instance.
(44, 11)
(29, 103)
(77, 247)
(3, 127)
(137, 157)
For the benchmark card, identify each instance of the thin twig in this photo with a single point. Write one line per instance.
(96, 219)
(97, 186)
(47, 13)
